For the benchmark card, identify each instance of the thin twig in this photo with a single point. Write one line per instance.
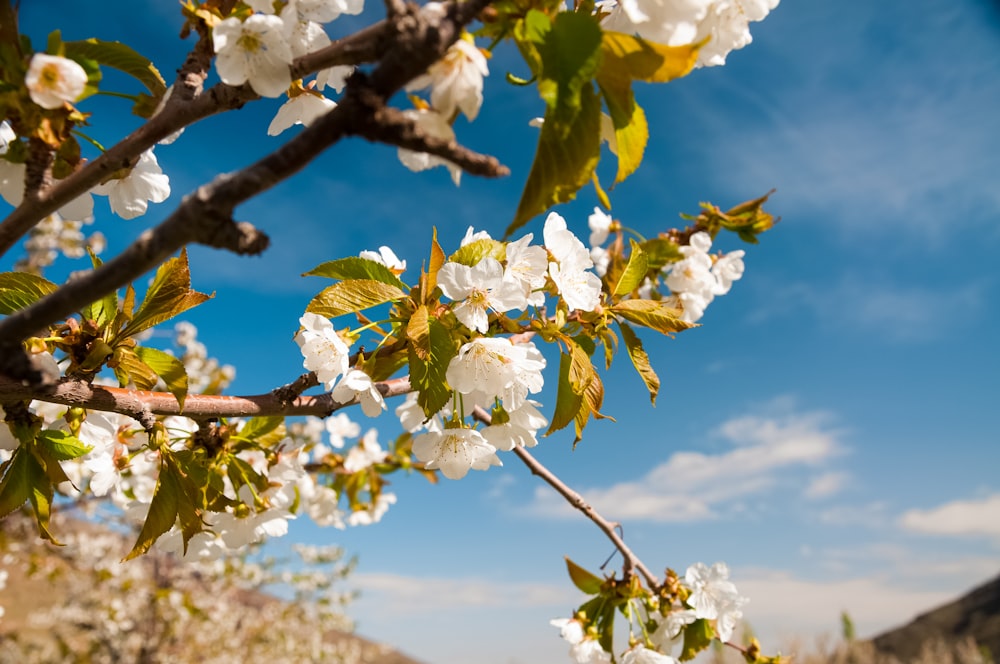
(536, 467)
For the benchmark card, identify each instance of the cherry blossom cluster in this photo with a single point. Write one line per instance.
(724, 25)
(693, 282)
(706, 594)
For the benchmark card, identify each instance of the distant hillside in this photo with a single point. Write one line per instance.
(59, 609)
(975, 614)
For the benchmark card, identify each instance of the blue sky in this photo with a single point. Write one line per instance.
(829, 431)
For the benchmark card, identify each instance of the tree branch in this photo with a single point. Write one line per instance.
(142, 405)
(187, 105)
(421, 38)
(632, 561)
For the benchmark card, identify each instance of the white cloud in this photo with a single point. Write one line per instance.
(408, 594)
(826, 485)
(691, 486)
(783, 607)
(961, 518)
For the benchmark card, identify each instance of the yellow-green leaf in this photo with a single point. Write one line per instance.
(419, 334)
(130, 368)
(352, 295)
(104, 310)
(167, 367)
(123, 58)
(635, 271)
(169, 295)
(640, 360)
(434, 266)
(697, 636)
(427, 376)
(477, 250)
(20, 289)
(569, 395)
(62, 445)
(264, 431)
(162, 510)
(15, 487)
(40, 496)
(582, 579)
(654, 314)
(627, 56)
(355, 267)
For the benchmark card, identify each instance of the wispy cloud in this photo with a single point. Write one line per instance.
(826, 485)
(960, 518)
(401, 594)
(692, 486)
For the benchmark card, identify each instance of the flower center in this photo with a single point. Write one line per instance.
(49, 76)
(250, 42)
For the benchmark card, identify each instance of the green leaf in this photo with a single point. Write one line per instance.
(240, 472)
(62, 445)
(21, 289)
(352, 295)
(569, 143)
(660, 252)
(41, 497)
(121, 57)
(634, 272)
(564, 161)
(427, 375)
(265, 431)
(47, 460)
(167, 367)
(15, 487)
(697, 636)
(102, 311)
(654, 314)
(129, 368)
(582, 579)
(169, 295)
(162, 510)
(582, 373)
(476, 251)
(355, 267)
(418, 333)
(569, 396)
(640, 360)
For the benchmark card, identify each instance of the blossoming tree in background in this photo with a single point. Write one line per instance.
(91, 410)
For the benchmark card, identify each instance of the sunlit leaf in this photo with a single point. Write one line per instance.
(169, 295)
(355, 267)
(427, 376)
(697, 636)
(167, 367)
(654, 314)
(472, 253)
(162, 510)
(15, 487)
(266, 431)
(634, 272)
(582, 579)
(62, 444)
(123, 58)
(21, 289)
(640, 360)
(353, 295)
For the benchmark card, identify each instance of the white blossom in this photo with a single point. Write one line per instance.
(492, 367)
(724, 23)
(356, 384)
(130, 196)
(302, 109)
(639, 654)
(256, 51)
(365, 454)
(455, 451)
(520, 431)
(714, 597)
(727, 269)
(472, 235)
(386, 256)
(7, 136)
(334, 77)
(600, 226)
(80, 209)
(323, 350)
(324, 11)
(527, 266)
(53, 80)
(456, 80)
(303, 35)
(477, 289)
(374, 513)
(434, 125)
(339, 427)
(579, 288)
